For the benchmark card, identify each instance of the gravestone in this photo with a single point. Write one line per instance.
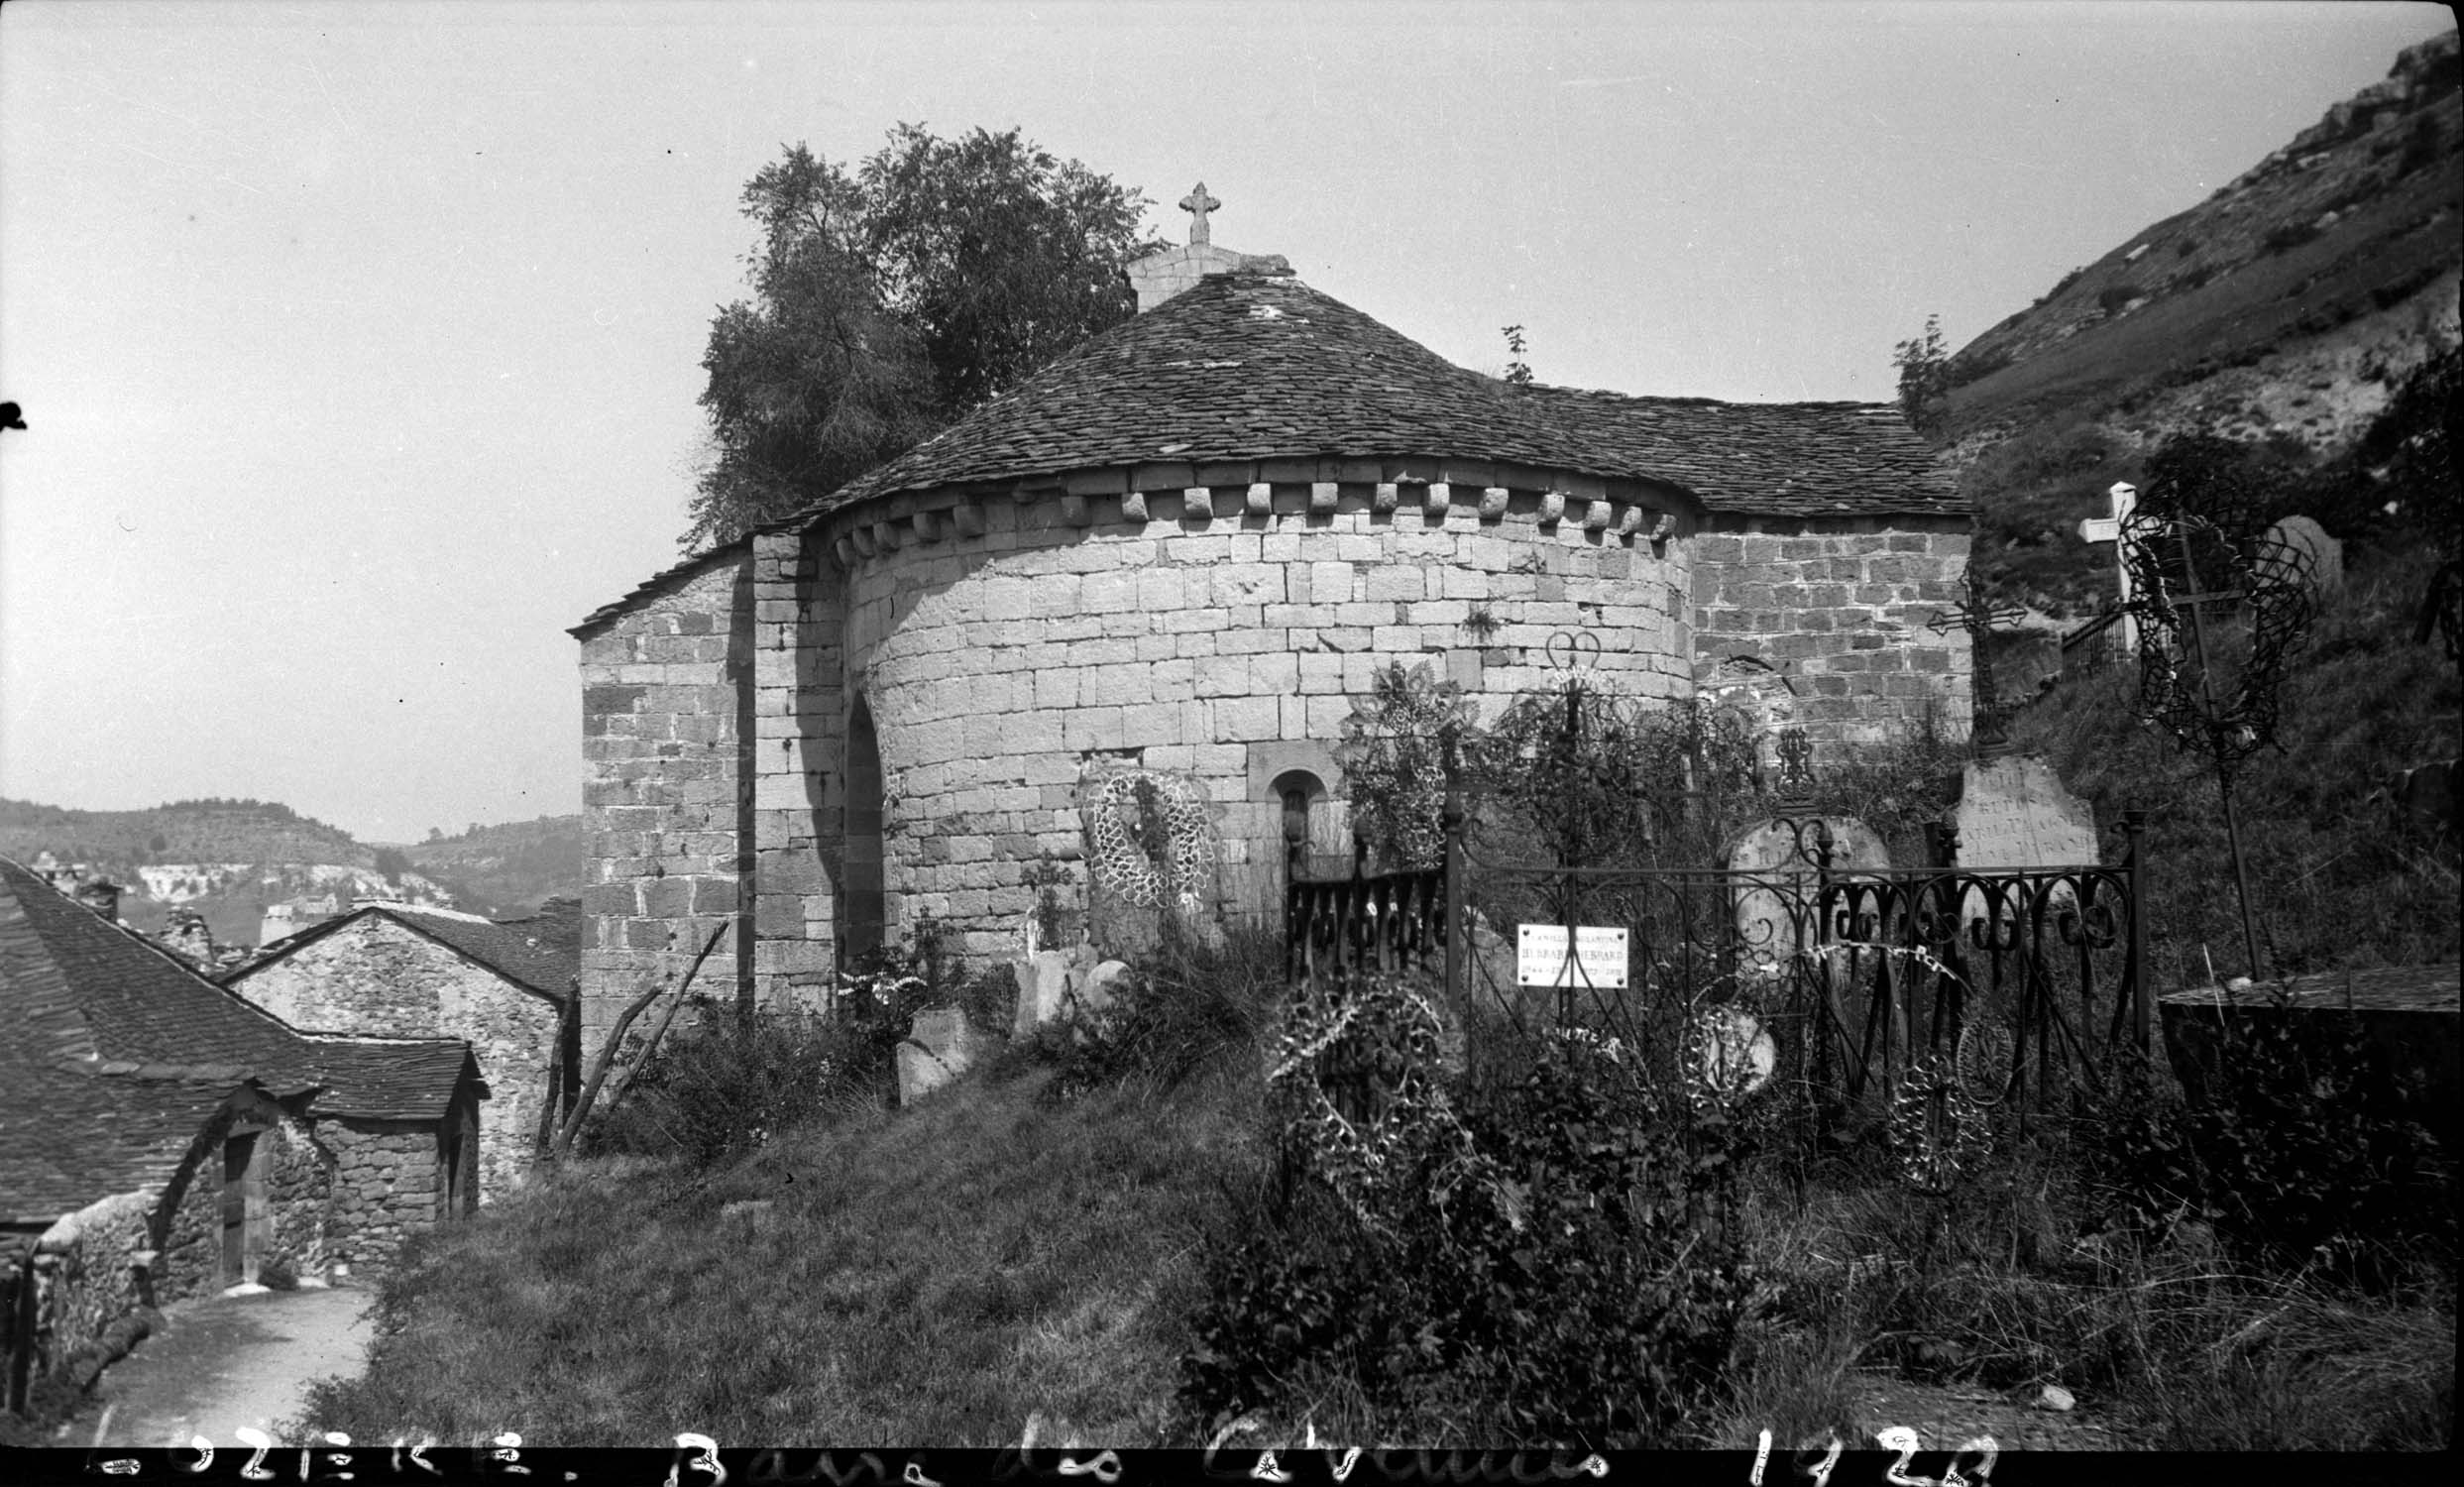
(940, 1047)
(2327, 554)
(1776, 925)
(1767, 929)
(2014, 812)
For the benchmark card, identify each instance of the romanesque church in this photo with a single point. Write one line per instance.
(1177, 553)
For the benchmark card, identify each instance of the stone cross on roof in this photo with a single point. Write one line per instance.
(1197, 204)
(2125, 497)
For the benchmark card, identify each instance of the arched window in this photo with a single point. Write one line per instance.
(1316, 830)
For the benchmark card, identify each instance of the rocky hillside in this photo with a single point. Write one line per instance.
(2285, 309)
(232, 860)
(507, 868)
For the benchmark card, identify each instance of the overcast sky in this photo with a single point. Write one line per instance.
(359, 343)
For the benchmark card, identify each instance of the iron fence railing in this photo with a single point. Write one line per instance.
(2024, 981)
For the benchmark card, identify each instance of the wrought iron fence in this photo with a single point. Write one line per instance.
(2018, 982)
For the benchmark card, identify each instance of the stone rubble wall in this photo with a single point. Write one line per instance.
(379, 976)
(665, 699)
(86, 1278)
(1153, 631)
(1839, 608)
(387, 1186)
(298, 1186)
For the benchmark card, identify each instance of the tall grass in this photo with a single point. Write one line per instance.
(933, 1277)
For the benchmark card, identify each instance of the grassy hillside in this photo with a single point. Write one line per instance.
(2284, 311)
(938, 1276)
(510, 868)
(182, 831)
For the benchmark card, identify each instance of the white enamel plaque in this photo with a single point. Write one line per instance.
(1540, 958)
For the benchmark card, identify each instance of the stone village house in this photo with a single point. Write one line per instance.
(1179, 551)
(159, 1138)
(411, 972)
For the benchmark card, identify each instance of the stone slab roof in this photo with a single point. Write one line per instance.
(529, 953)
(1786, 459)
(667, 580)
(75, 988)
(1247, 367)
(73, 1135)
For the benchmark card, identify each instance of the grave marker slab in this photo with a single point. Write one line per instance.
(1768, 930)
(2305, 535)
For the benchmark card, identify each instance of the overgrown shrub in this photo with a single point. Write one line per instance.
(2296, 1156)
(1185, 1006)
(1552, 1262)
(727, 1084)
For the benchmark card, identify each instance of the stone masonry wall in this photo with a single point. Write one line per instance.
(799, 800)
(380, 976)
(299, 1188)
(385, 1188)
(87, 1277)
(1001, 650)
(1839, 608)
(665, 703)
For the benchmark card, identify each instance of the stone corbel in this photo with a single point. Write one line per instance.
(968, 519)
(1323, 498)
(1134, 506)
(843, 552)
(1595, 516)
(865, 546)
(1664, 529)
(1261, 499)
(1552, 508)
(929, 526)
(1492, 504)
(1385, 498)
(885, 535)
(1433, 504)
(1629, 524)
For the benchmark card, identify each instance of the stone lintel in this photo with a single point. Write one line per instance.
(1166, 476)
(1237, 473)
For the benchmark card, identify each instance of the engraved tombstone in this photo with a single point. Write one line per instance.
(2014, 812)
(939, 1046)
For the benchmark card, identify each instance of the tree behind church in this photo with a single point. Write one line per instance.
(890, 299)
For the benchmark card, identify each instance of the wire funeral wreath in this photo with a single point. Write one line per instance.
(1124, 863)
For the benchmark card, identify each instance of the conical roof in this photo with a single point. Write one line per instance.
(1251, 367)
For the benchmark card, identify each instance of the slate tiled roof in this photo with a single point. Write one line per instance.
(527, 953)
(77, 990)
(388, 1078)
(1252, 366)
(72, 1135)
(1795, 459)
(661, 582)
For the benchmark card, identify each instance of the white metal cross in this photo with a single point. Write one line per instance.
(2125, 498)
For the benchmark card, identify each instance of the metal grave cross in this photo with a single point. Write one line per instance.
(1981, 616)
(1197, 204)
(2125, 499)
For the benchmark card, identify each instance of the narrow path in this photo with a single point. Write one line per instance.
(225, 1362)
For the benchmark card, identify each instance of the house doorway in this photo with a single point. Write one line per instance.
(244, 1208)
(860, 910)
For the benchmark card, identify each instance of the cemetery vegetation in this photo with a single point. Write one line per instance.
(1221, 1210)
